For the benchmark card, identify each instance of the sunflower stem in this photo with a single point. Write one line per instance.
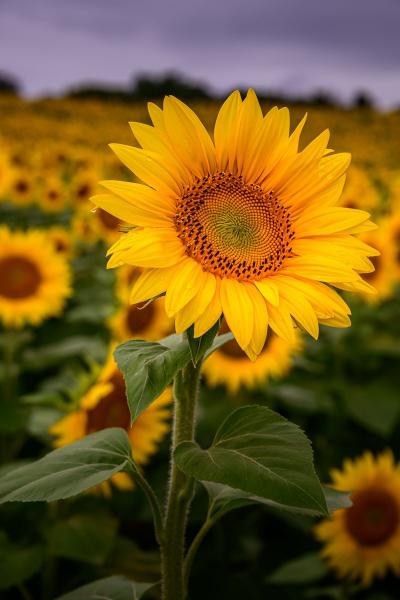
(181, 487)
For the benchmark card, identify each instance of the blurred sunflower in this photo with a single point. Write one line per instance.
(82, 187)
(5, 173)
(126, 277)
(105, 405)
(383, 277)
(359, 191)
(107, 226)
(21, 187)
(34, 279)
(363, 541)
(231, 367)
(246, 225)
(145, 322)
(61, 239)
(83, 227)
(393, 234)
(51, 196)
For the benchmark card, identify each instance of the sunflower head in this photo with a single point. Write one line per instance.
(244, 224)
(35, 280)
(231, 367)
(105, 405)
(362, 542)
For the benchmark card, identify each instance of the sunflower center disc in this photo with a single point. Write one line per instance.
(373, 518)
(112, 410)
(19, 277)
(234, 229)
(138, 319)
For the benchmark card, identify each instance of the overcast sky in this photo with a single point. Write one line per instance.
(295, 46)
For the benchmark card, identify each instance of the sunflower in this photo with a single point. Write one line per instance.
(126, 277)
(21, 187)
(359, 191)
(146, 322)
(52, 196)
(383, 277)
(5, 173)
(34, 279)
(105, 405)
(83, 227)
(107, 226)
(61, 239)
(82, 187)
(393, 234)
(363, 542)
(230, 366)
(245, 225)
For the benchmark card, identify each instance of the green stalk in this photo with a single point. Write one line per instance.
(205, 528)
(181, 487)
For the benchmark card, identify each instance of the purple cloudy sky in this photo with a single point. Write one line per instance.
(295, 46)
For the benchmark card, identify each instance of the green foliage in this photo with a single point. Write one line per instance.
(85, 538)
(109, 588)
(149, 368)
(69, 470)
(223, 499)
(305, 569)
(18, 563)
(199, 346)
(257, 451)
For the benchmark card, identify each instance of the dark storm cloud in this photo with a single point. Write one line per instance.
(291, 45)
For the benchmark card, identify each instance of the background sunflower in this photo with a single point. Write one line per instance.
(363, 541)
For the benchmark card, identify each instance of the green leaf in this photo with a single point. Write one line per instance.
(84, 538)
(219, 341)
(149, 368)
(18, 563)
(69, 470)
(308, 568)
(57, 352)
(378, 417)
(223, 499)
(109, 588)
(257, 451)
(199, 346)
(12, 417)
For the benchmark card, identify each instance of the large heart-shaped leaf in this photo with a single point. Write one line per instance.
(69, 470)
(257, 451)
(224, 499)
(149, 367)
(109, 588)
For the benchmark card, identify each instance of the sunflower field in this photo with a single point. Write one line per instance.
(64, 385)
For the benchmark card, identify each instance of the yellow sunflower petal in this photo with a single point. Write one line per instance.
(238, 310)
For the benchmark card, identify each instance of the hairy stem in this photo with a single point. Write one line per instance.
(181, 487)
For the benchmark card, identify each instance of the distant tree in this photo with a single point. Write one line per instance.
(8, 84)
(151, 87)
(323, 98)
(97, 91)
(363, 99)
